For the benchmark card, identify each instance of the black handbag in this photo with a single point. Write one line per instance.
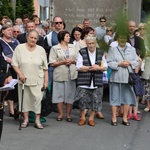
(46, 103)
(75, 105)
(131, 78)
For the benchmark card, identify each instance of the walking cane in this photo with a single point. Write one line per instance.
(21, 107)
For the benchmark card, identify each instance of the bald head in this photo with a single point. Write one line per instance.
(132, 27)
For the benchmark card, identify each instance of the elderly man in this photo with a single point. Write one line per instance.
(90, 65)
(134, 40)
(30, 25)
(16, 31)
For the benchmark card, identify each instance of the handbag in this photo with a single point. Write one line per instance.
(131, 78)
(75, 105)
(46, 103)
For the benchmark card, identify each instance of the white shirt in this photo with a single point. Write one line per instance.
(92, 57)
(107, 38)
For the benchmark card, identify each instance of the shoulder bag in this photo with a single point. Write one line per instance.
(131, 79)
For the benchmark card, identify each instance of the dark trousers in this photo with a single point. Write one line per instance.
(1, 122)
(1, 113)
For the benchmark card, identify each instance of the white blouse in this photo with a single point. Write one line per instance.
(92, 57)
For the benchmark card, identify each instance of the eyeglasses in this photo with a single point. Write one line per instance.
(142, 29)
(16, 31)
(108, 30)
(102, 21)
(58, 22)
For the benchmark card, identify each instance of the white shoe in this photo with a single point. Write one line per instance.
(138, 112)
(5, 103)
(146, 109)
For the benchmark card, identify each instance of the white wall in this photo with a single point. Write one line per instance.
(134, 10)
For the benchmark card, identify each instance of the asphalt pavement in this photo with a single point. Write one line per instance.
(69, 136)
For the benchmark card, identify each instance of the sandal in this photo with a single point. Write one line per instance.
(24, 124)
(59, 119)
(69, 119)
(38, 126)
(125, 123)
(114, 123)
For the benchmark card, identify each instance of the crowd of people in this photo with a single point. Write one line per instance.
(75, 64)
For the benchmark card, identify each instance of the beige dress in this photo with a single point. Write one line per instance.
(32, 65)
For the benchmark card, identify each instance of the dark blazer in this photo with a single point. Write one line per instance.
(139, 45)
(22, 39)
(3, 68)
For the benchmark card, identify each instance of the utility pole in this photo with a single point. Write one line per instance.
(14, 7)
(51, 11)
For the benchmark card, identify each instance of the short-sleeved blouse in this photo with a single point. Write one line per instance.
(30, 63)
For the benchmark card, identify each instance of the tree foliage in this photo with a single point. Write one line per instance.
(22, 7)
(6, 9)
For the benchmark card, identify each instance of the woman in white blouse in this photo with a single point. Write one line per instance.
(90, 65)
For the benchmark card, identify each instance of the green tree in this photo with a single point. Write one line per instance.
(24, 7)
(6, 9)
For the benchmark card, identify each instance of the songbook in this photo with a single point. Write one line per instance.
(9, 86)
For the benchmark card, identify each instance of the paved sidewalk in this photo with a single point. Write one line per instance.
(69, 136)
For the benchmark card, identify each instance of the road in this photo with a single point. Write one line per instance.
(69, 136)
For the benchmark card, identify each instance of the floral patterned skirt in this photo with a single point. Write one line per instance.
(89, 98)
(138, 87)
(146, 95)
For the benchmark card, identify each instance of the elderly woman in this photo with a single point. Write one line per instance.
(30, 63)
(8, 46)
(63, 58)
(90, 65)
(122, 60)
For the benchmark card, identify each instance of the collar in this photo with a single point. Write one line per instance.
(90, 52)
(132, 37)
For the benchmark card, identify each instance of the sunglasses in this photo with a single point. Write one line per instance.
(102, 21)
(58, 22)
(142, 29)
(108, 30)
(16, 31)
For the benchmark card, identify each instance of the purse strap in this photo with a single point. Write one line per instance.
(123, 58)
(7, 45)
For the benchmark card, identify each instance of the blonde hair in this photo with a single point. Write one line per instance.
(79, 25)
(142, 25)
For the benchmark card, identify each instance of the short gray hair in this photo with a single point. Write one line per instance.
(45, 24)
(93, 38)
(17, 26)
